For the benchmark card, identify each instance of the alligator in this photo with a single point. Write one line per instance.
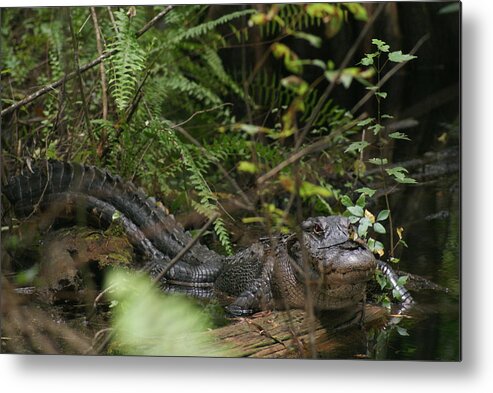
(324, 264)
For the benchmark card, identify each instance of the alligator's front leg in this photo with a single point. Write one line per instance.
(406, 299)
(246, 278)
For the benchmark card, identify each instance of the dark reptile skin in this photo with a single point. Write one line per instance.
(321, 261)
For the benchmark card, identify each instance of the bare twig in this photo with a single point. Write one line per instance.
(154, 20)
(319, 145)
(104, 96)
(184, 250)
(112, 18)
(79, 79)
(85, 67)
(200, 112)
(321, 102)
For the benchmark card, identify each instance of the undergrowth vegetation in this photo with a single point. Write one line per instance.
(209, 109)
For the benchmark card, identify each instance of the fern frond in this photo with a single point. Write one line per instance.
(127, 63)
(202, 29)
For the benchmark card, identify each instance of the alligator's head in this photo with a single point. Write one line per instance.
(335, 266)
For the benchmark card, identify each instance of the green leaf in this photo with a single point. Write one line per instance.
(381, 280)
(252, 220)
(379, 228)
(308, 189)
(148, 322)
(361, 202)
(26, 277)
(367, 191)
(402, 331)
(356, 146)
(363, 227)
(378, 246)
(399, 174)
(399, 135)
(247, 166)
(295, 83)
(381, 94)
(353, 219)
(356, 211)
(403, 243)
(358, 11)
(383, 215)
(387, 116)
(368, 59)
(312, 39)
(346, 201)
(291, 61)
(382, 46)
(378, 161)
(250, 129)
(396, 171)
(405, 180)
(376, 128)
(365, 122)
(402, 280)
(399, 57)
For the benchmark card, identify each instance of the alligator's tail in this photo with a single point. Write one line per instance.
(148, 226)
(406, 299)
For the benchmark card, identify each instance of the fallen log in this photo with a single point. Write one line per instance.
(286, 334)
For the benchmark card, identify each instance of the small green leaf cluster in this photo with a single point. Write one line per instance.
(399, 175)
(382, 47)
(364, 219)
(387, 287)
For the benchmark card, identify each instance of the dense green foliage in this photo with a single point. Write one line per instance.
(233, 111)
(165, 111)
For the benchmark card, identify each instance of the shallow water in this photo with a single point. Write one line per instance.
(430, 215)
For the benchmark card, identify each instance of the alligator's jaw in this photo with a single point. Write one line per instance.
(345, 270)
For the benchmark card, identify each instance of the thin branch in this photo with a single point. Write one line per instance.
(154, 20)
(321, 102)
(71, 75)
(112, 18)
(79, 79)
(184, 250)
(317, 146)
(104, 96)
(200, 112)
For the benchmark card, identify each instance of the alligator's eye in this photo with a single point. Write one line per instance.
(317, 229)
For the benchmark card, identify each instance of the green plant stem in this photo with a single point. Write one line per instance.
(384, 176)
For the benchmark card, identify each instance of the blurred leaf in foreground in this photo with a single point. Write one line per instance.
(148, 322)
